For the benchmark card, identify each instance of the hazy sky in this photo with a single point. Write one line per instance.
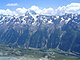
(13, 4)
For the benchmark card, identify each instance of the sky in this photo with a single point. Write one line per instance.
(39, 5)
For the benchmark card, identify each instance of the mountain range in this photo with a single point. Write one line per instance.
(33, 30)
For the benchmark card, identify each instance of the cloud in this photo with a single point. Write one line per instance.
(21, 11)
(12, 4)
(8, 12)
(73, 8)
(36, 9)
(48, 11)
(70, 8)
